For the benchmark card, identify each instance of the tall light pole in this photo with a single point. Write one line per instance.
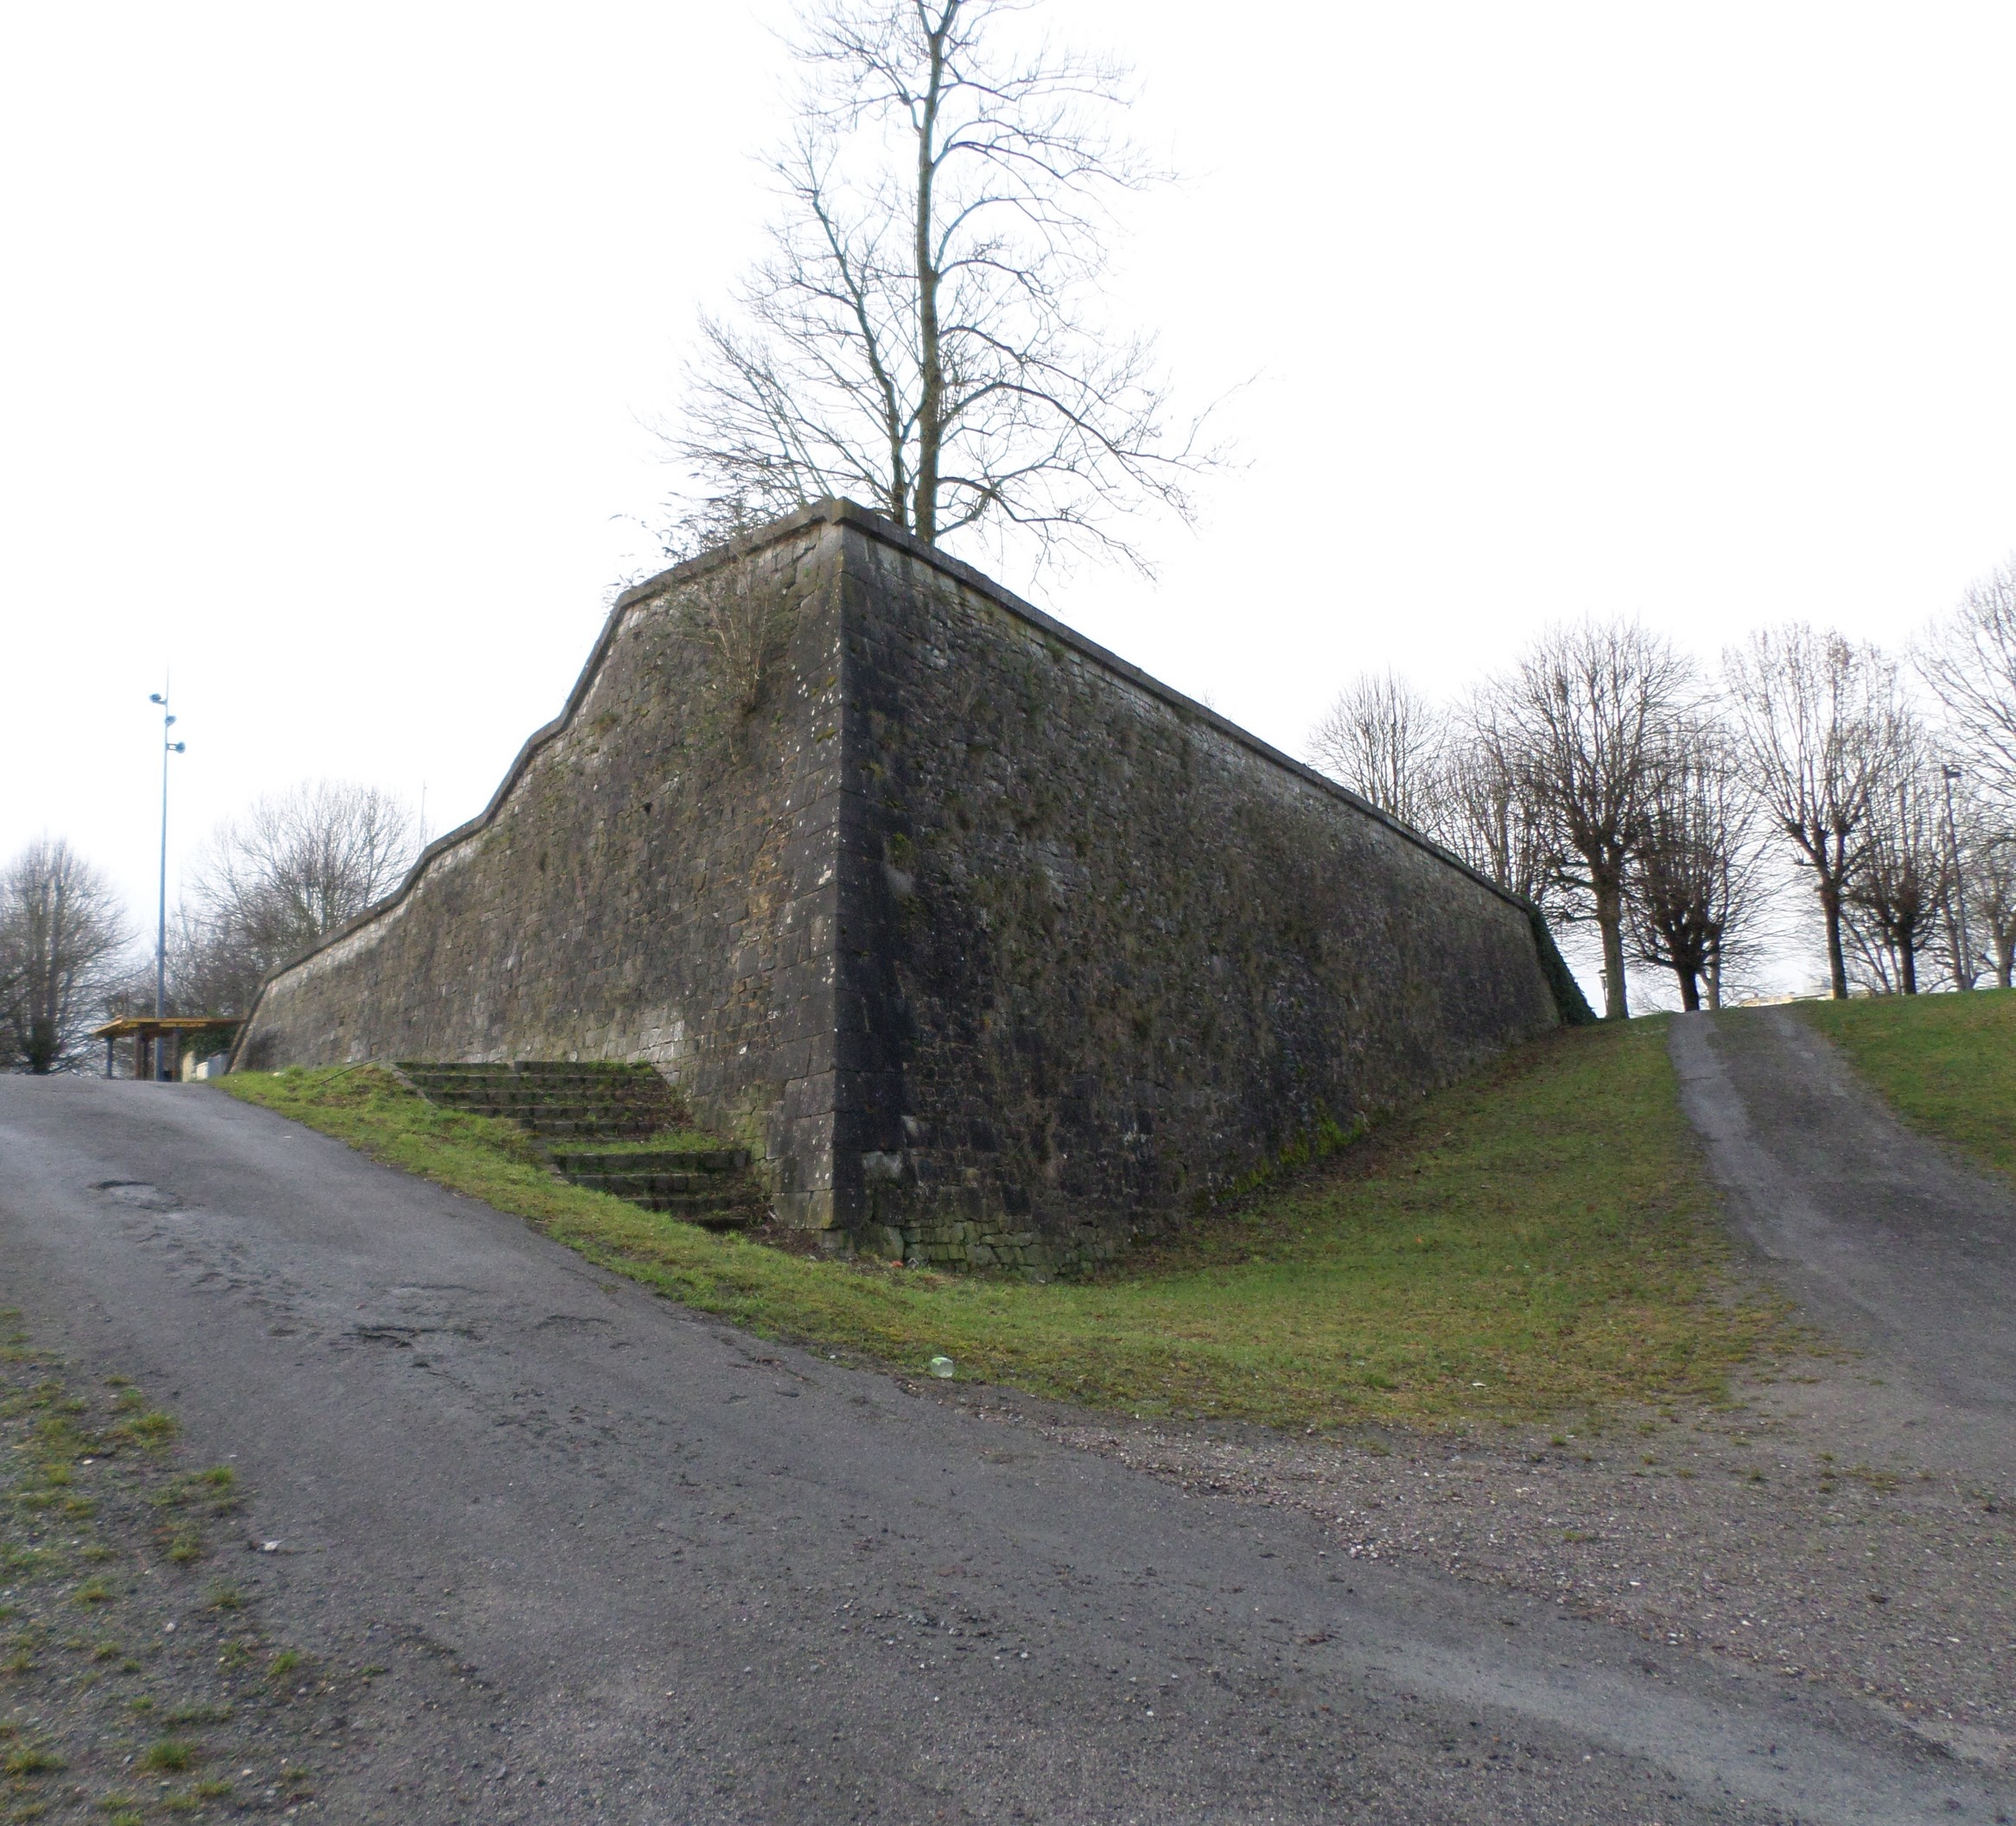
(167, 749)
(1963, 964)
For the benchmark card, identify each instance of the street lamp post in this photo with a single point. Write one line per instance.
(167, 749)
(1964, 970)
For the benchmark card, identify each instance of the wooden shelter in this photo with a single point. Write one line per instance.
(150, 1033)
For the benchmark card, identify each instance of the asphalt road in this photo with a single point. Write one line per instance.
(625, 1563)
(1890, 1244)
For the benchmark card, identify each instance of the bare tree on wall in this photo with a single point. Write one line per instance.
(1586, 716)
(294, 866)
(63, 938)
(1809, 705)
(742, 625)
(925, 334)
(1384, 740)
(1696, 875)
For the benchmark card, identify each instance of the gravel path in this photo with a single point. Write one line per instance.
(1849, 1521)
(1890, 1244)
(1740, 1535)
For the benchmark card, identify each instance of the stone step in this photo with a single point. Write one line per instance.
(571, 1080)
(573, 1161)
(501, 1084)
(583, 1127)
(714, 1187)
(531, 1071)
(573, 1108)
(577, 1105)
(707, 1214)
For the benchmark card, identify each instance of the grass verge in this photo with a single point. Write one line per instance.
(1946, 1064)
(130, 1689)
(1538, 1239)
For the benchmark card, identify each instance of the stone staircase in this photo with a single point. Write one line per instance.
(711, 1187)
(583, 1115)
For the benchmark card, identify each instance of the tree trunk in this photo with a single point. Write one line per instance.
(1689, 991)
(1963, 975)
(931, 405)
(1610, 922)
(2004, 961)
(1837, 962)
(1716, 985)
(1907, 966)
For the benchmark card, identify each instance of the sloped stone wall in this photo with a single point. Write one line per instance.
(654, 881)
(1106, 954)
(995, 950)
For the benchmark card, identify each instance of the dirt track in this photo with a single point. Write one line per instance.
(1891, 1245)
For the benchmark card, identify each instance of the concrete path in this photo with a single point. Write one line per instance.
(1890, 1244)
(662, 1572)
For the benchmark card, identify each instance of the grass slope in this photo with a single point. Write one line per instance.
(1533, 1241)
(1946, 1064)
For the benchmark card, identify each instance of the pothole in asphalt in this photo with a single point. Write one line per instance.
(138, 1193)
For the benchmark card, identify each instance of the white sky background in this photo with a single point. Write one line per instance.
(330, 338)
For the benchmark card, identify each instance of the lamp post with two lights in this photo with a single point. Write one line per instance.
(168, 747)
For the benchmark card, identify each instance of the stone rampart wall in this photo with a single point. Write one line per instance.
(654, 881)
(995, 950)
(1105, 954)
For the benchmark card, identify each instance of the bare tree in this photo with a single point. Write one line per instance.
(1987, 855)
(1896, 889)
(1384, 740)
(1809, 705)
(1964, 816)
(923, 331)
(1486, 815)
(1971, 664)
(1696, 873)
(293, 869)
(742, 623)
(63, 937)
(1586, 717)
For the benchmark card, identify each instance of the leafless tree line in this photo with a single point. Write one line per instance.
(273, 881)
(1607, 778)
(64, 939)
(267, 886)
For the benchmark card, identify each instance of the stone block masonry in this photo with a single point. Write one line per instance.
(993, 949)
(653, 880)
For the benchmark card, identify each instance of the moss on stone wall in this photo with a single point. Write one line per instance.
(996, 951)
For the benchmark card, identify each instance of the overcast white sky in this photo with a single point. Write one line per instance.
(330, 340)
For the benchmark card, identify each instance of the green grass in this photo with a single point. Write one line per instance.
(32, 1759)
(1537, 1240)
(667, 1141)
(1946, 1064)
